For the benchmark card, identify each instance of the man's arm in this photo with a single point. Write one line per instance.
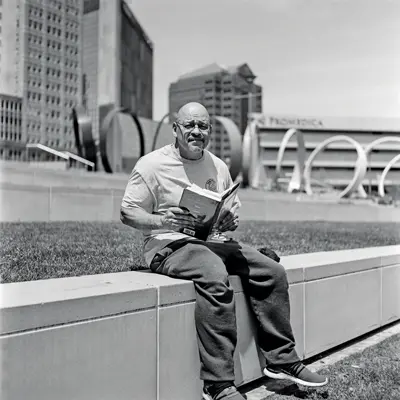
(139, 218)
(174, 219)
(139, 206)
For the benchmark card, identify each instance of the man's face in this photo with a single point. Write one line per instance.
(193, 130)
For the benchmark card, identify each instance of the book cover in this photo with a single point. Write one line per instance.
(206, 205)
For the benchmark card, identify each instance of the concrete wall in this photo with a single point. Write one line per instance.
(131, 335)
(99, 199)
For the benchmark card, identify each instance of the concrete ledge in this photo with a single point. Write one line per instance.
(132, 334)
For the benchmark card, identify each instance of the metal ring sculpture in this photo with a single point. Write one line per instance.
(297, 180)
(153, 147)
(82, 125)
(235, 140)
(360, 168)
(368, 148)
(251, 156)
(381, 185)
(105, 130)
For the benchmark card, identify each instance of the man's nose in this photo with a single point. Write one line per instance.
(196, 131)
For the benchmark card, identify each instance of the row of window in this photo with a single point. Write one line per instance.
(10, 105)
(8, 154)
(10, 119)
(53, 72)
(55, 17)
(11, 136)
(51, 99)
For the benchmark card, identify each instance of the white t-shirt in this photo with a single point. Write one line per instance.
(157, 182)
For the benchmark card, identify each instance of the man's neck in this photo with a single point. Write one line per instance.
(190, 156)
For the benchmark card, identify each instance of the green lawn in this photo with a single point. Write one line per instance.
(31, 251)
(373, 374)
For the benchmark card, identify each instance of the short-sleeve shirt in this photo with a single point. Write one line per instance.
(157, 182)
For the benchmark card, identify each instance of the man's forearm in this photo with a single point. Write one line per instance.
(140, 219)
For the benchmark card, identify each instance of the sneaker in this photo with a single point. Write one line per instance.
(296, 372)
(230, 393)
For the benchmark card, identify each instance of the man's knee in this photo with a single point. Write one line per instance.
(211, 267)
(276, 271)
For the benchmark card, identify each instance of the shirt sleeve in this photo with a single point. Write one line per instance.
(138, 194)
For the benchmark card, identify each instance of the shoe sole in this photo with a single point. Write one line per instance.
(207, 397)
(282, 375)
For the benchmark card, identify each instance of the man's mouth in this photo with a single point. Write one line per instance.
(191, 140)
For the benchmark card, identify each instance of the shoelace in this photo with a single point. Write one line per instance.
(295, 368)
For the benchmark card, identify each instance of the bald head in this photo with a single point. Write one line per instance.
(193, 111)
(192, 130)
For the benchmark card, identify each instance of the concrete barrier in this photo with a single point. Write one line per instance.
(131, 335)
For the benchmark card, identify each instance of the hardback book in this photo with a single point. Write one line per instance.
(206, 205)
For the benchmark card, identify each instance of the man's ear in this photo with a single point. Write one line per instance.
(174, 128)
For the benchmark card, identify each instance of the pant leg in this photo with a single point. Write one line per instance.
(265, 284)
(215, 307)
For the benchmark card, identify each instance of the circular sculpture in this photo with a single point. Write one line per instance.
(360, 168)
(381, 185)
(250, 156)
(235, 140)
(82, 125)
(105, 131)
(153, 147)
(368, 148)
(297, 181)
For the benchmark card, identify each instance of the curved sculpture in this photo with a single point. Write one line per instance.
(368, 148)
(235, 140)
(153, 147)
(360, 168)
(251, 156)
(82, 125)
(381, 185)
(297, 180)
(105, 131)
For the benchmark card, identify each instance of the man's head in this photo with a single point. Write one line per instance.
(192, 130)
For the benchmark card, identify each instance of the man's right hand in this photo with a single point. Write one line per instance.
(176, 218)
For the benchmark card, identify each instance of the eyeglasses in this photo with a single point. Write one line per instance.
(190, 125)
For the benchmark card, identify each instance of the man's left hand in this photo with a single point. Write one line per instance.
(228, 221)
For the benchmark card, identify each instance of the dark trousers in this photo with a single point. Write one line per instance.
(208, 265)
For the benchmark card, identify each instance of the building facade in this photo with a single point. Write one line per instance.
(117, 60)
(229, 92)
(41, 63)
(12, 145)
(334, 166)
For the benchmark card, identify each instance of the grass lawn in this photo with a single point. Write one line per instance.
(32, 251)
(373, 374)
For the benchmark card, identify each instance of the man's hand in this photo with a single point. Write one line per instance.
(228, 221)
(176, 218)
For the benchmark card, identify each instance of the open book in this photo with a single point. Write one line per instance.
(207, 205)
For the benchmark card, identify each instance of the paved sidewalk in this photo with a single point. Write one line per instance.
(268, 387)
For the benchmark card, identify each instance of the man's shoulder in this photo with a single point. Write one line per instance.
(152, 159)
(216, 160)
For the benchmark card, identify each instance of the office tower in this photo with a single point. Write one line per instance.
(224, 92)
(117, 60)
(40, 63)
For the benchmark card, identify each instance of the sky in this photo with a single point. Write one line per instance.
(312, 57)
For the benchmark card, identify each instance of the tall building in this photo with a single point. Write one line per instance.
(12, 145)
(117, 60)
(224, 92)
(41, 64)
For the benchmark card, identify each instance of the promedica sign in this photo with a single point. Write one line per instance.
(293, 122)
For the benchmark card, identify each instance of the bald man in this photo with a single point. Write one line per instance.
(150, 204)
